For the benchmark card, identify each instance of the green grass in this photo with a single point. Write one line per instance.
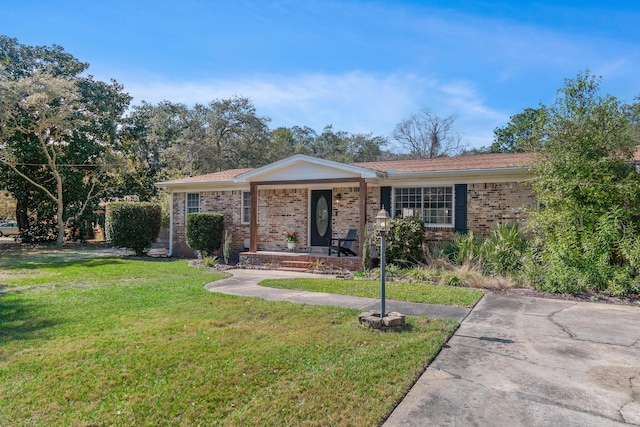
(402, 291)
(113, 341)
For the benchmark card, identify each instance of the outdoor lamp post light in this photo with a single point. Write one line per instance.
(383, 223)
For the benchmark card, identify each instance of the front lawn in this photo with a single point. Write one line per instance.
(113, 341)
(401, 291)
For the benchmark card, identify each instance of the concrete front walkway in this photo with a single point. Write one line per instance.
(514, 361)
(518, 361)
(245, 283)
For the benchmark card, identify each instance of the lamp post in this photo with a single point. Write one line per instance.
(383, 225)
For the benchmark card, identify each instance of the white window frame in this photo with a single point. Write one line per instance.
(189, 208)
(421, 208)
(245, 206)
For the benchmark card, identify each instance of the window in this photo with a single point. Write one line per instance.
(193, 203)
(246, 207)
(433, 204)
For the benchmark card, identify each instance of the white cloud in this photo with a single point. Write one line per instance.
(355, 102)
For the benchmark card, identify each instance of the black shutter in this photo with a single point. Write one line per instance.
(460, 211)
(385, 199)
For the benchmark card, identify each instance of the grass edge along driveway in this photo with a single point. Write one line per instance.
(402, 291)
(114, 341)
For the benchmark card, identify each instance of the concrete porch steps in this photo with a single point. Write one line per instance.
(296, 270)
(291, 265)
(300, 260)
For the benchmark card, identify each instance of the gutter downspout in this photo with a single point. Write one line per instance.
(170, 253)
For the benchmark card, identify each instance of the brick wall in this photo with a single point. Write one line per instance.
(227, 203)
(489, 204)
(492, 203)
(287, 209)
(346, 213)
(280, 210)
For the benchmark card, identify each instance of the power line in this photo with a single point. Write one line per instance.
(70, 165)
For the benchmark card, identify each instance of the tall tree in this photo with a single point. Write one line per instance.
(56, 131)
(234, 136)
(149, 144)
(18, 61)
(44, 108)
(427, 135)
(523, 133)
(589, 191)
(338, 146)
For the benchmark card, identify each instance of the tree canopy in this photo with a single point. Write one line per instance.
(523, 133)
(589, 190)
(56, 131)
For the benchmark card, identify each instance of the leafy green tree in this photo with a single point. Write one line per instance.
(523, 133)
(584, 174)
(19, 61)
(233, 136)
(148, 146)
(56, 132)
(338, 146)
(366, 147)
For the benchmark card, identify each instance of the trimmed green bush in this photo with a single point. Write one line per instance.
(404, 241)
(133, 225)
(205, 232)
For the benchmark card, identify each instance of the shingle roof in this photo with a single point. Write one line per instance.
(479, 161)
(227, 175)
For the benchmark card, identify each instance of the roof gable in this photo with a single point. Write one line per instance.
(302, 167)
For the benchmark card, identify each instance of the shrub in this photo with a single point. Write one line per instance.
(500, 253)
(404, 241)
(210, 261)
(465, 248)
(366, 251)
(577, 259)
(205, 231)
(422, 275)
(133, 225)
(226, 252)
(39, 231)
(504, 250)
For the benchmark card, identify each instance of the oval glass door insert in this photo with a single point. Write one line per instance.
(322, 216)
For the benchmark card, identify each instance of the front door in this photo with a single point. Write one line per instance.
(320, 217)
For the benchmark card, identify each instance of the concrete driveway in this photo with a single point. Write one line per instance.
(519, 361)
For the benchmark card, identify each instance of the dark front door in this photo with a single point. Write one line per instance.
(320, 217)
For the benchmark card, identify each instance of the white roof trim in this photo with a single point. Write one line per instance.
(254, 174)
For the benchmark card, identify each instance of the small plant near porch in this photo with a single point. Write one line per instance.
(291, 236)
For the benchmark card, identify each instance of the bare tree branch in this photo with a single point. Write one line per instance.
(426, 135)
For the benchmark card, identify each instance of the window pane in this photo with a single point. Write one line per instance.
(246, 207)
(193, 203)
(434, 204)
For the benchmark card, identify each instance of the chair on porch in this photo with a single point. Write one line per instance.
(344, 244)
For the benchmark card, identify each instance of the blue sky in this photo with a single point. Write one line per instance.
(362, 66)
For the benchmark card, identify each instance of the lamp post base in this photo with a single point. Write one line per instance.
(390, 321)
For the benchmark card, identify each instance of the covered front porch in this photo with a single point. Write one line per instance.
(300, 261)
(325, 204)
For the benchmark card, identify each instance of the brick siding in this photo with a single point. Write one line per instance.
(287, 209)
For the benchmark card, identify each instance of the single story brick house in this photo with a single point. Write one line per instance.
(322, 199)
